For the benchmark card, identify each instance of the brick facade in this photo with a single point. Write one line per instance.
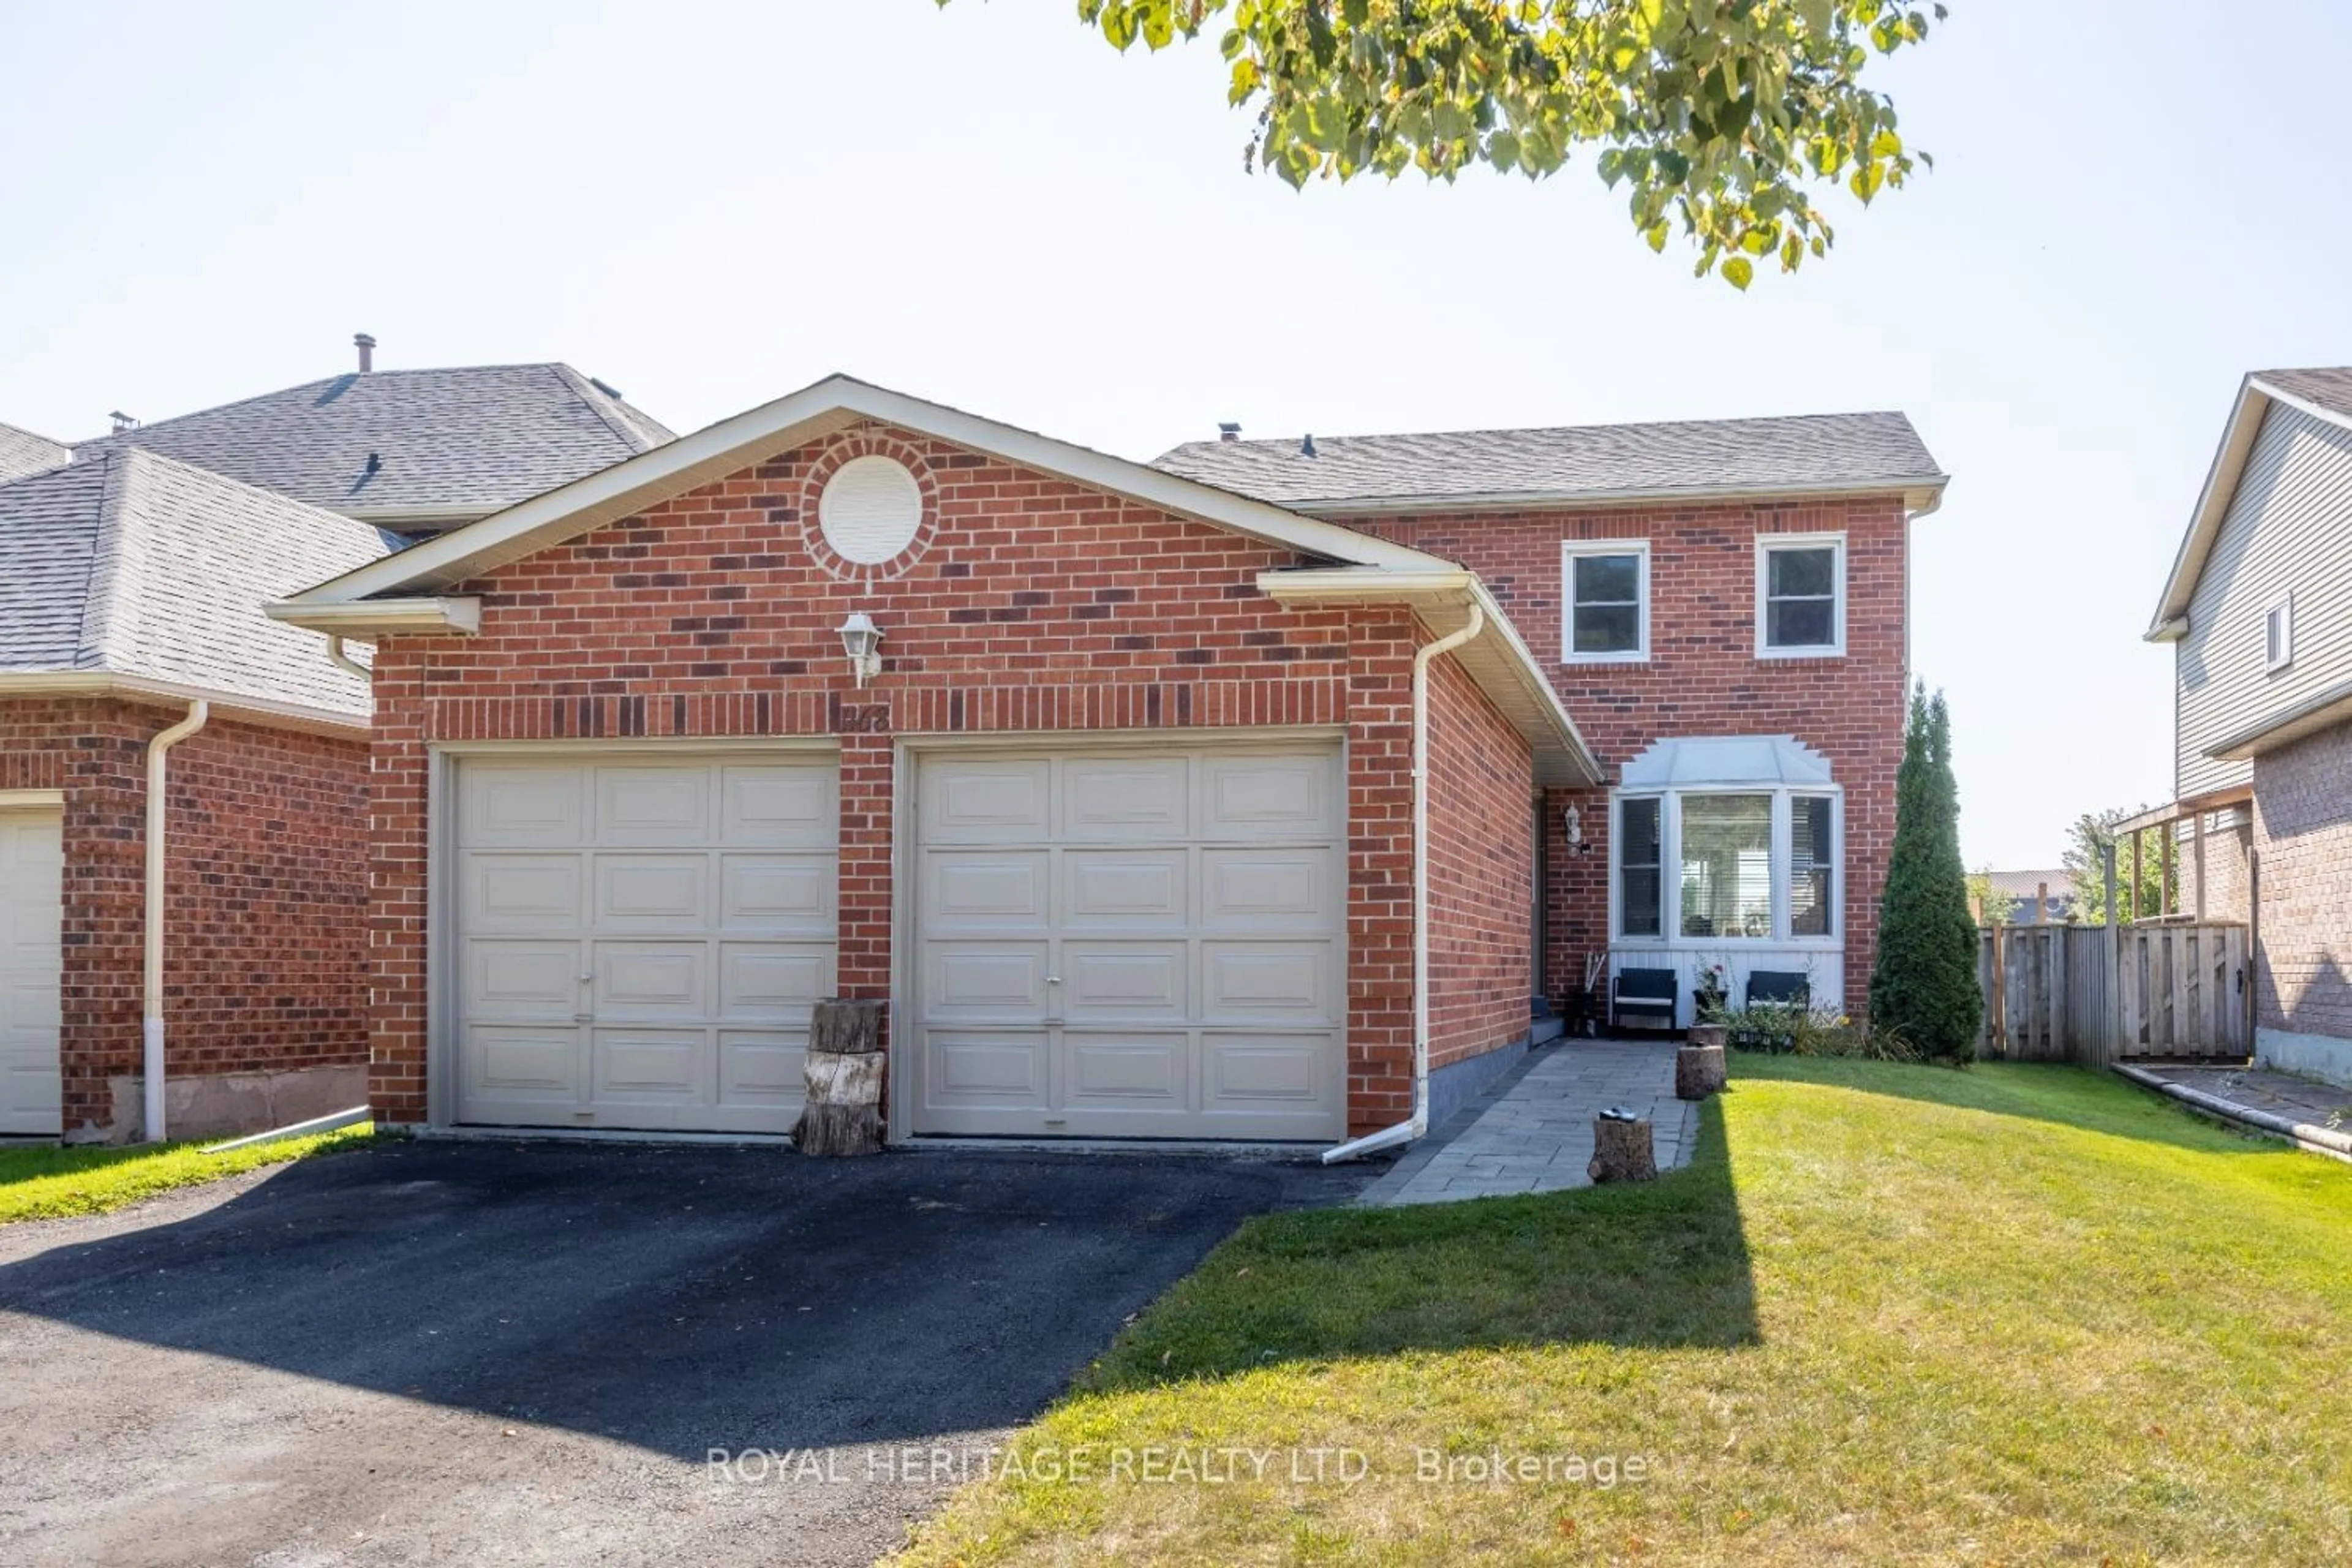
(263, 966)
(1029, 604)
(1703, 677)
(1481, 867)
(2303, 834)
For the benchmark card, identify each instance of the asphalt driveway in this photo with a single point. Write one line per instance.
(487, 1354)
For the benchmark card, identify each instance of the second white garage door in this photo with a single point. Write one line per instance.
(32, 866)
(1131, 943)
(640, 940)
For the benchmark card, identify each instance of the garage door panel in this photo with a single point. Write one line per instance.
(507, 804)
(652, 806)
(1250, 795)
(1123, 979)
(639, 892)
(1269, 889)
(519, 979)
(695, 895)
(1244, 1072)
(32, 866)
(984, 1068)
(1247, 981)
(1126, 798)
(987, 801)
(986, 980)
(778, 893)
(1128, 886)
(528, 1066)
(780, 807)
(982, 890)
(1127, 1071)
(523, 892)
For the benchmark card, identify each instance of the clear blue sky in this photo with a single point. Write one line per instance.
(709, 205)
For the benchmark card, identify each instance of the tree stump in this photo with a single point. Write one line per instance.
(843, 1075)
(1699, 1071)
(1709, 1034)
(1621, 1151)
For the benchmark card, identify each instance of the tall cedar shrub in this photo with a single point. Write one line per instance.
(1923, 990)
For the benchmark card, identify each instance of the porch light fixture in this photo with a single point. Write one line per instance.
(862, 640)
(1571, 822)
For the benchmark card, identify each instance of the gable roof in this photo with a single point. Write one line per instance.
(22, 453)
(450, 445)
(400, 592)
(1575, 465)
(130, 569)
(2324, 393)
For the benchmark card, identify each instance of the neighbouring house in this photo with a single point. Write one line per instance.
(2258, 609)
(1101, 775)
(132, 573)
(2035, 897)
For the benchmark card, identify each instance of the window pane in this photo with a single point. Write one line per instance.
(1800, 623)
(1607, 579)
(1637, 854)
(1726, 865)
(1608, 629)
(1803, 572)
(1811, 862)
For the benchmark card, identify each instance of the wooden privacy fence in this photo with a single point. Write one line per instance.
(2097, 994)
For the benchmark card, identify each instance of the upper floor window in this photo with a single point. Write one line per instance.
(2278, 635)
(1604, 600)
(1800, 594)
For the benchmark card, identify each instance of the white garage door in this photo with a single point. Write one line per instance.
(639, 941)
(32, 869)
(1131, 944)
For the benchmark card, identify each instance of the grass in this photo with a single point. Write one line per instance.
(52, 1183)
(1889, 1314)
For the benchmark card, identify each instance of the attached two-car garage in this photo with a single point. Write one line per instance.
(1102, 941)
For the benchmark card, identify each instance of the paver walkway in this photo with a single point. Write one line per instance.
(1533, 1132)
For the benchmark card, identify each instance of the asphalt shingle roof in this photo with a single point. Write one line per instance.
(1591, 462)
(22, 453)
(130, 564)
(2329, 388)
(479, 436)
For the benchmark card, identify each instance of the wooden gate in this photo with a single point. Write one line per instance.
(2096, 993)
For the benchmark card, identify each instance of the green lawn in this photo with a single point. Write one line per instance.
(1889, 1313)
(49, 1182)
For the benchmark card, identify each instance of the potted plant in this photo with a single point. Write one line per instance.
(1713, 993)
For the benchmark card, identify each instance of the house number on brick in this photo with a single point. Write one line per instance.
(863, 719)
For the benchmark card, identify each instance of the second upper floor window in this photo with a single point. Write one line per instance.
(1800, 594)
(2278, 635)
(1605, 600)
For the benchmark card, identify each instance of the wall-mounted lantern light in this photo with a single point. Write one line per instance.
(862, 640)
(1572, 821)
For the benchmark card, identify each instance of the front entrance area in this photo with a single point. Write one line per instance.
(32, 867)
(1128, 942)
(639, 938)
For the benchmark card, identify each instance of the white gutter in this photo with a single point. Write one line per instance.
(1922, 494)
(230, 704)
(345, 661)
(151, 1122)
(369, 619)
(1405, 1131)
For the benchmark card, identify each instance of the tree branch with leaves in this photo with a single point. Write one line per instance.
(1718, 118)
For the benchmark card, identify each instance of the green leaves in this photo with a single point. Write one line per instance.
(1714, 115)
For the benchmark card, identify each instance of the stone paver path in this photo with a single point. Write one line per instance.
(1533, 1132)
(2282, 1094)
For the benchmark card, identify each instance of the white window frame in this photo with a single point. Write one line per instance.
(1570, 550)
(2282, 612)
(1670, 869)
(1765, 543)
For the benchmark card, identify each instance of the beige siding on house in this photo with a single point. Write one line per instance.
(2288, 529)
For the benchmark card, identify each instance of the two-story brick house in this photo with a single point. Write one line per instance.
(1155, 800)
(2258, 612)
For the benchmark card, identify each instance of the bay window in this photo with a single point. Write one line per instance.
(1735, 865)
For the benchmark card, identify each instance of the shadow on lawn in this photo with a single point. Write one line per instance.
(1656, 1264)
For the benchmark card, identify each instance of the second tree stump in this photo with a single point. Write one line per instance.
(1622, 1150)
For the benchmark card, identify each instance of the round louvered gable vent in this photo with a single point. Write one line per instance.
(871, 509)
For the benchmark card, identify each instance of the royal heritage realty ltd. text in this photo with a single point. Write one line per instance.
(1168, 1465)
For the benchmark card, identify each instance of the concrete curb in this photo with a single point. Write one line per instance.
(2303, 1134)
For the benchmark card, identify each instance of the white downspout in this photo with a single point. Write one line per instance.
(1405, 1131)
(345, 661)
(152, 1125)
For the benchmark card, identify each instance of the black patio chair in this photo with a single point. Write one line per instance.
(1779, 988)
(1645, 994)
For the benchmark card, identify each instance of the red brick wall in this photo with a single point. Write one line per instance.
(1480, 794)
(266, 893)
(2303, 833)
(1703, 677)
(1030, 604)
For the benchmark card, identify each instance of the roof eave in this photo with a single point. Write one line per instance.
(1499, 661)
(227, 704)
(378, 617)
(2322, 710)
(1921, 494)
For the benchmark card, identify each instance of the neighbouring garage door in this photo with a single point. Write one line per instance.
(1131, 943)
(639, 941)
(32, 869)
